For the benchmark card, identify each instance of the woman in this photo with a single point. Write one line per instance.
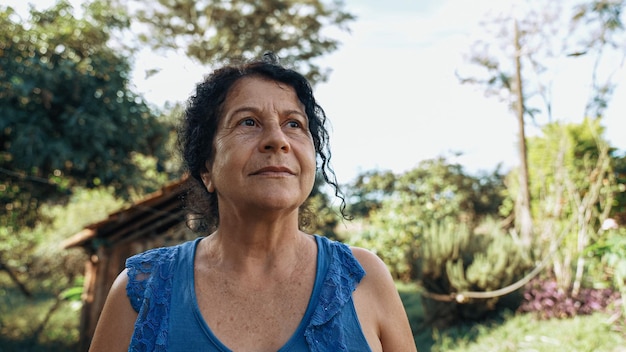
(251, 137)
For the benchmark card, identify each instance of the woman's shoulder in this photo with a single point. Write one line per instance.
(365, 267)
(370, 262)
(154, 267)
(145, 261)
(342, 258)
(379, 306)
(356, 259)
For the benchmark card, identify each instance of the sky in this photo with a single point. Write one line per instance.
(393, 98)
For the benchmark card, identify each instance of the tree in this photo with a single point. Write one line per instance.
(215, 31)
(69, 121)
(69, 117)
(318, 216)
(531, 43)
(369, 190)
(522, 211)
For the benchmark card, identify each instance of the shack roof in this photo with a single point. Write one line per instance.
(151, 216)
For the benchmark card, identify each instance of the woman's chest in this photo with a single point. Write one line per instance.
(254, 316)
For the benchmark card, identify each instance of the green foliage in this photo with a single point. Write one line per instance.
(573, 187)
(36, 254)
(545, 36)
(608, 262)
(37, 324)
(214, 31)
(317, 215)
(405, 206)
(610, 250)
(73, 294)
(563, 151)
(369, 190)
(69, 117)
(453, 260)
(618, 211)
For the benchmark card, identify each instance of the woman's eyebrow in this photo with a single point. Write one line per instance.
(296, 112)
(244, 109)
(239, 110)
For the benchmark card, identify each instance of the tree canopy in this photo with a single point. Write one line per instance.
(69, 117)
(215, 31)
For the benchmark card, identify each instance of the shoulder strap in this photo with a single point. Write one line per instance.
(149, 289)
(344, 274)
(141, 269)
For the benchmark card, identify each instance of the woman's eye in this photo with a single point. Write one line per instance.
(294, 124)
(247, 122)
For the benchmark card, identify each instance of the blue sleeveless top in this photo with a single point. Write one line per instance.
(161, 289)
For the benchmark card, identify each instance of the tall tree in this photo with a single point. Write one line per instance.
(524, 49)
(215, 31)
(522, 211)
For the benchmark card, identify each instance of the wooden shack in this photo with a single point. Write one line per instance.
(156, 221)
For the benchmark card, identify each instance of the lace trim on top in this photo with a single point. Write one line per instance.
(149, 290)
(323, 332)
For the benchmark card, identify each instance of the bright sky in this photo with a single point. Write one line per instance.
(393, 98)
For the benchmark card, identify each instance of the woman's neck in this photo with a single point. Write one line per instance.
(256, 248)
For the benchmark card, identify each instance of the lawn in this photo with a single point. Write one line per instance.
(516, 332)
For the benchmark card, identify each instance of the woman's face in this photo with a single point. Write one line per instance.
(264, 158)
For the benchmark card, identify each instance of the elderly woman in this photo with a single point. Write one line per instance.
(252, 137)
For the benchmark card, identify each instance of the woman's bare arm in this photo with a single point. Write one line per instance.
(117, 320)
(379, 307)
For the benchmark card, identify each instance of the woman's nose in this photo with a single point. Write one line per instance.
(274, 139)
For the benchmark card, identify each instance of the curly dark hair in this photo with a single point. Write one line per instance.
(200, 122)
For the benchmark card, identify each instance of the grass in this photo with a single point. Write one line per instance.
(514, 332)
(523, 333)
(35, 324)
(22, 329)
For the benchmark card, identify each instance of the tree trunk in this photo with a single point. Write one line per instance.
(523, 217)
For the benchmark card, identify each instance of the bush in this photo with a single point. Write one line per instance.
(397, 208)
(452, 260)
(546, 300)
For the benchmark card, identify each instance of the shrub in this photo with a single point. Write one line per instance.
(546, 300)
(452, 260)
(397, 208)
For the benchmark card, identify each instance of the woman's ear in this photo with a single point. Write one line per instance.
(206, 179)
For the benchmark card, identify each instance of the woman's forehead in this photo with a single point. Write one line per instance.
(258, 90)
